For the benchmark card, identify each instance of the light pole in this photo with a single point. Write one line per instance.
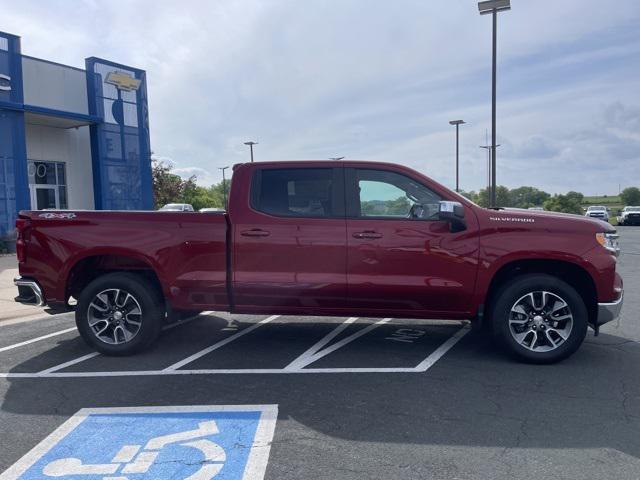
(251, 144)
(224, 186)
(457, 123)
(485, 8)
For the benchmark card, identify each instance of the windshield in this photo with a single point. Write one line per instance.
(591, 209)
(172, 207)
(632, 209)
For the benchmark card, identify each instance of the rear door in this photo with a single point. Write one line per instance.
(290, 242)
(401, 259)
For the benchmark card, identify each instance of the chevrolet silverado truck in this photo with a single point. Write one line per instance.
(629, 216)
(327, 238)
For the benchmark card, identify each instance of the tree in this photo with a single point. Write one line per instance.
(168, 187)
(631, 196)
(569, 203)
(472, 195)
(502, 197)
(525, 197)
(575, 196)
(203, 197)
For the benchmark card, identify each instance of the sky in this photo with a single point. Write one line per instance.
(371, 80)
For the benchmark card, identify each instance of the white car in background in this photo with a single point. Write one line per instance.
(177, 207)
(629, 216)
(598, 211)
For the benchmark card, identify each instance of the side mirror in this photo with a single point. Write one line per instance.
(452, 212)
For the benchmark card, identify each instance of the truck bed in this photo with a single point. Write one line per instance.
(187, 251)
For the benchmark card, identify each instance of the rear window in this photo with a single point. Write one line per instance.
(294, 192)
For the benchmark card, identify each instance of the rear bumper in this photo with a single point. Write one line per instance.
(608, 312)
(29, 292)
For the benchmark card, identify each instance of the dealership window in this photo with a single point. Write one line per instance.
(48, 185)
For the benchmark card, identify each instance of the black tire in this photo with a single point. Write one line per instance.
(506, 331)
(143, 295)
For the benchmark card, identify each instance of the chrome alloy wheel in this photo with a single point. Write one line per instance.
(540, 321)
(114, 316)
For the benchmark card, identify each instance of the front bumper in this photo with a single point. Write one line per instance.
(608, 312)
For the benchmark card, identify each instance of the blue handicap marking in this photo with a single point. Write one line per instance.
(193, 443)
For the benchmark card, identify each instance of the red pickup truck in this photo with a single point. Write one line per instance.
(327, 238)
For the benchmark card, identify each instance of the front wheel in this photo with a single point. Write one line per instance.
(119, 313)
(540, 318)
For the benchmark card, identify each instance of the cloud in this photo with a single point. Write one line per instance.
(369, 80)
(203, 177)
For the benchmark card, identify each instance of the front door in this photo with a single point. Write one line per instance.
(402, 260)
(289, 243)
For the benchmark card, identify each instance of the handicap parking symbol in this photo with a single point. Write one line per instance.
(191, 443)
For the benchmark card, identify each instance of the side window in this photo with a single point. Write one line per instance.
(386, 194)
(294, 192)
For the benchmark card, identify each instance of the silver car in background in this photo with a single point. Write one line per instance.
(177, 207)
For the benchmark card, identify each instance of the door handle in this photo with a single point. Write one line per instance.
(256, 232)
(367, 234)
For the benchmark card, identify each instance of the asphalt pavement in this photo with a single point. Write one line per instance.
(332, 398)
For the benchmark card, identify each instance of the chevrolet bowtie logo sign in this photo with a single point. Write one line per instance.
(5, 83)
(123, 81)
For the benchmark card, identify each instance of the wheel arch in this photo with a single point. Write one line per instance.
(95, 264)
(569, 272)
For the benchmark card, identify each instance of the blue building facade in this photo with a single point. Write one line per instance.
(71, 138)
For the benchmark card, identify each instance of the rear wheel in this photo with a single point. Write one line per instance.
(540, 318)
(119, 313)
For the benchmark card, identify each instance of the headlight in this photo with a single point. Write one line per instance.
(609, 241)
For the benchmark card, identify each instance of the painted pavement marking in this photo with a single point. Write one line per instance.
(135, 443)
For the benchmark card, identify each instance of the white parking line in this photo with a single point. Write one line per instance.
(323, 353)
(69, 363)
(37, 339)
(437, 354)
(295, 364)
(227, 371)
(219, 344)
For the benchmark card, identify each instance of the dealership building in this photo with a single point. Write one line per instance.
(71, 138)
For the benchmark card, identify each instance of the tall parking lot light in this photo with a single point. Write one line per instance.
(493, 7)
(224, 186)
(457, 123)
(251, 144)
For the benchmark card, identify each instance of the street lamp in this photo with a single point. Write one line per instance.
(251, 144)
(224, 186)
(457, 123)
(485, 8)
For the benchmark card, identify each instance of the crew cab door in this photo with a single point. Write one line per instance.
(403, 260)
(290, 241)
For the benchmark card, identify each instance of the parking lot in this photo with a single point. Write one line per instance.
(355, 398)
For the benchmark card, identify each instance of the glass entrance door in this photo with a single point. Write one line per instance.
(47, 185)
